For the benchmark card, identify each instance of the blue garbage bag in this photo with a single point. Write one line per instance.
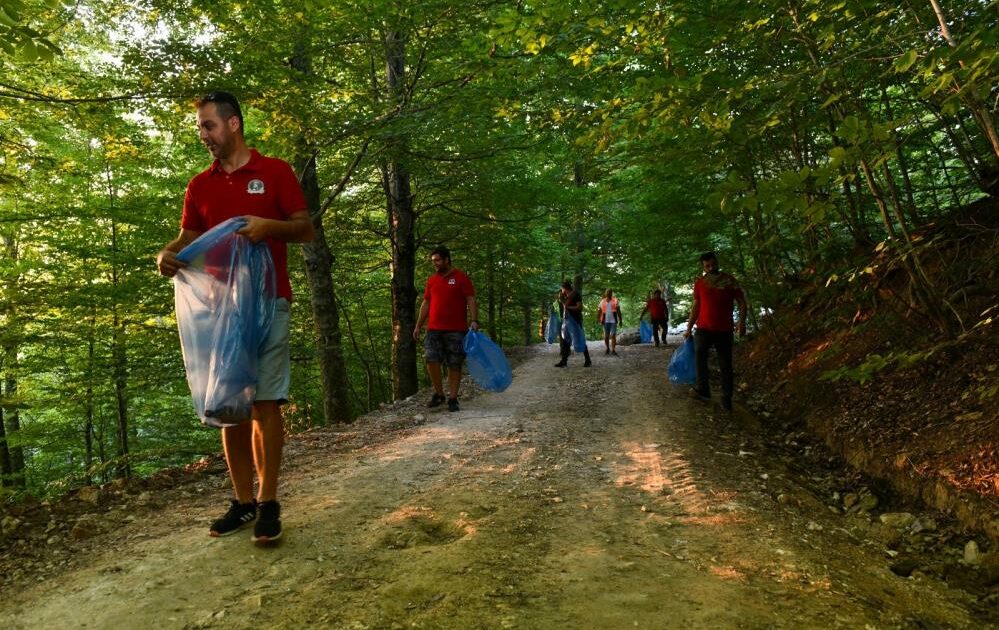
(554, 324)
(645, 331)
(683, 366)
(225, 300)
(486, 362)
(573, 331)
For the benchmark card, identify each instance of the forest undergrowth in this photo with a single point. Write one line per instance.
(854, 359)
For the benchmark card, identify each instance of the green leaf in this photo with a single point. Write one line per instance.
(903, 63)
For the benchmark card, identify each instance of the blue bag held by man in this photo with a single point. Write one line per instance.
(645, 331)
(486, 362)
(683, 366)
(572, 331)
(225, 300)
(554, 324)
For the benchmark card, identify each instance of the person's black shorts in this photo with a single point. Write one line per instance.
(447, 347)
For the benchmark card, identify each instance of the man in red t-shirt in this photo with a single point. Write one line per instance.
(448, 300)
(715, 293)
(658, 310)
(265, 191)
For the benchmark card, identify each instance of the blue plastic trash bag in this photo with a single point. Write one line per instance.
(572, 331)
(554, 324)
(683, 365)
(645, 331)
(486, 362)
(225, 300)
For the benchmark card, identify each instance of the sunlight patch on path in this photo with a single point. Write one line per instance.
(649, 470)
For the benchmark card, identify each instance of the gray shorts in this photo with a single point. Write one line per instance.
(274, 360)
(444, 346)
(610, 328)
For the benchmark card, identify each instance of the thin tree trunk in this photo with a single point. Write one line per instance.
(325, 313)
(319, 274)
(401, 225)
(978, 109)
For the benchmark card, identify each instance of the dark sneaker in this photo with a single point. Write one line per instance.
(268, 527)
(607, 351)
(560, 364)
(727, 404)
(588, 363)
(436, 400)
(614, 352)
(238, 516)
(452, 404)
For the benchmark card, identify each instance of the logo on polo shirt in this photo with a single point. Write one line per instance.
(255, 187)
(451, 281)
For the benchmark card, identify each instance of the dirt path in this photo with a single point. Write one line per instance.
(578, 498)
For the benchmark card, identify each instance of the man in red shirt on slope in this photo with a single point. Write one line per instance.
(265, 191)
(715, 293)
(448, 300)
(658, 310)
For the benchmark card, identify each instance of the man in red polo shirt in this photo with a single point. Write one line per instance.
(265, 191)
(448, 300)
(658, 310)
(715, 293)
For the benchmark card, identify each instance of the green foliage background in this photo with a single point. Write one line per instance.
(612, 141)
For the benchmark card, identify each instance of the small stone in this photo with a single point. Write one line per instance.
(972, 555)
(849, 500)
(84, 528)
(898, 520)
(556, 499)
(52, 540)
(904, 567)
(786, 499)
(8, 525)
(923, 524)
(867, 502)
(419, 418)
(814, 527)
(90, 494)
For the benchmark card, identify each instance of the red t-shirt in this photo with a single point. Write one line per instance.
(264, 187)
(656, 308)
(716, 295)
(446, 296)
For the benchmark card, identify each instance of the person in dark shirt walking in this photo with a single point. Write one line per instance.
(715, 294)
(570, 305)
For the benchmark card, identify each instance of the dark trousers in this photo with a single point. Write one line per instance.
(565, 346)
(656, 325)
(722, 342)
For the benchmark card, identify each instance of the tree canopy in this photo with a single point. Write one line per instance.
(608, 143)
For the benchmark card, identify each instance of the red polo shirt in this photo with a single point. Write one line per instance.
(656, 308)
(264, 187)
(446, 296)
(716, 295)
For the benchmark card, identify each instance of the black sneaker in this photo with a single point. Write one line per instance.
(727, 404)
(436, 400)
(268, 528)
(614, 352)
(588, 363)
(238, 516)
(560, 364)
(452, 404)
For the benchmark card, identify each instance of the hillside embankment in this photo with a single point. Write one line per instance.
(855, 361)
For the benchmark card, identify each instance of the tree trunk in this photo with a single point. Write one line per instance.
(978, 109)
(325, 312)
(401, 227)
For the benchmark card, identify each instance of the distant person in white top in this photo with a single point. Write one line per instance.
(610, 316)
